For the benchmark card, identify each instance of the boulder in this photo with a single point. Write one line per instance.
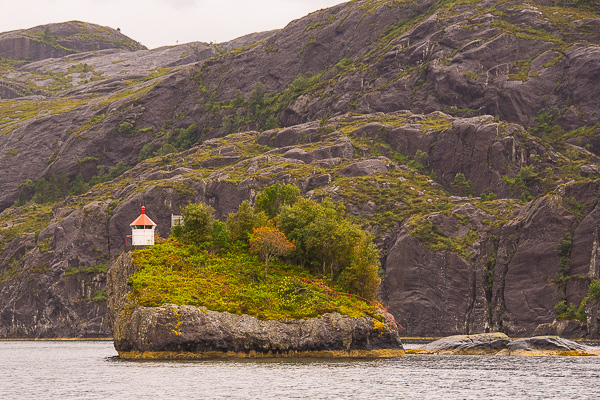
(481, 344)
(564, 328)
(548, 346)
(364, 168)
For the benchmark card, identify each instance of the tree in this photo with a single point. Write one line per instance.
(323, 238)
(198, 224)
(79, 186)
(40, 189)
(256, 99)
(269, 242)
(462, 185)
(270, 123)
(239, 99)
(187, 138)
(146, 152)
(362, 276)
(273, 197)
(241, 223)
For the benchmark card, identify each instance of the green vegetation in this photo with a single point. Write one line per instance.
(571, 311)
(215, 266)
(437, 240)
(56, 188)
(173, 140)
(99, 296)
(272, 198)
(198, 224)
(521, 184)
(233, 281)
(91, 270)
(464, 186)
(28, 219)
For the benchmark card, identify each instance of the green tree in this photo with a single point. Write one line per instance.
(198, 224)
(22, 198)
(463, 185)
(79, 186)
(187, 138)
(256, 99)
(54, 189)
(40, 189)
(323, 237)
(362, 276)
(241, 223)
(125, 128)
(146, 152)
(269, 242)
(328, 244)
(239, 99)
(273, 197)
(270, 123)
(594, 290)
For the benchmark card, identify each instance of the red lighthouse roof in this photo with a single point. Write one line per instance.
(143, 219)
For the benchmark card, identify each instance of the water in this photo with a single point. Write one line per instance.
(92, 370)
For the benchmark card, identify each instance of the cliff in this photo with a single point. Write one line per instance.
(172, 331)
(463, 135)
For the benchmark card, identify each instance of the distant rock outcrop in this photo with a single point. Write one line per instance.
(59, 40)
(501, 345)
(172, 331)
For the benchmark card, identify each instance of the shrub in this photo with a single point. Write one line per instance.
(241, 223)
(594, 290)
(198, 224)
(272, 198)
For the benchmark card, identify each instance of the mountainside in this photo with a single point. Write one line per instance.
(463, 134)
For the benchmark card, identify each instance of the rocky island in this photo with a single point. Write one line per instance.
(190, 332)
(212, 297)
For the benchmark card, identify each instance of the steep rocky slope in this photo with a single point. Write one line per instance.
(400, 110)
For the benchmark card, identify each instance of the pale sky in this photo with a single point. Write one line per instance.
(156, 23)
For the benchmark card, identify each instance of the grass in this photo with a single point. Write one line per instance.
(233, 281)
(26, 219)
(92, 269)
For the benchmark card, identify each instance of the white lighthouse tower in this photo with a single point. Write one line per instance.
(142, 230)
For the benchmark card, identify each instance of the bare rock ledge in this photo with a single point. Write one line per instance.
(501, 345)
(188, 332)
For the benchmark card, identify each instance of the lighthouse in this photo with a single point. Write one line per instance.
(142, 230)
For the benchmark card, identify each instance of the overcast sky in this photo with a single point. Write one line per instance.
(156, 23)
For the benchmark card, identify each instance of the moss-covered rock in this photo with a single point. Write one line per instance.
(171, 331)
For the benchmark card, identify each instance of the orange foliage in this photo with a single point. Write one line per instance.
(269, 242)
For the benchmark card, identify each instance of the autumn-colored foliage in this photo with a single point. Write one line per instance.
(269, 242)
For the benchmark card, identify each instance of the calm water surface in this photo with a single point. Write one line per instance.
(92, 370)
